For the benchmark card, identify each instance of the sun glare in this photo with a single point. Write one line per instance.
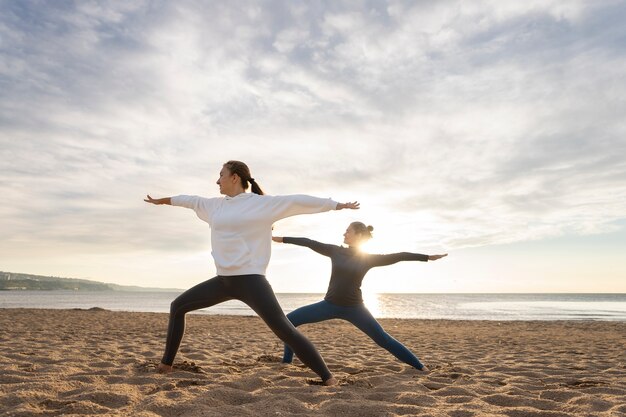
(372, 302)
(373, 246)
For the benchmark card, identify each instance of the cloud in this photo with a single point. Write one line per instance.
(488, 122)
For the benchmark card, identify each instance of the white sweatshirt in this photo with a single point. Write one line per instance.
(241, 226)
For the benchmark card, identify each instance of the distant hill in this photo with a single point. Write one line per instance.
(11, 281)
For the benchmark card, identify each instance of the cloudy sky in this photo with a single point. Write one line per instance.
(491, 130)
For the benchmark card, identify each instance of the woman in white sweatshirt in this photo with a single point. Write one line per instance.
(241, 235)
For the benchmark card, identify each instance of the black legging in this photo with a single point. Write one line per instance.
(256, 292)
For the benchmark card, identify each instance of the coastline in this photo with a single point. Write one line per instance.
(86, 362)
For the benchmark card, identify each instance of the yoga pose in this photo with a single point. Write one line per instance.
(241, 230)
(343, 299)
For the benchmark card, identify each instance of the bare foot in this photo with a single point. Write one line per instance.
(332, 381)
(424, 369)
(165, 369)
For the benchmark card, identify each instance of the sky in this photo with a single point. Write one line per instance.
(490, 130)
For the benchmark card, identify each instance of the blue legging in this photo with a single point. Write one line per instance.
(359, 316)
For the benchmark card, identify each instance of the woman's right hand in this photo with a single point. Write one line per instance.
(157, 201)
(278, 239)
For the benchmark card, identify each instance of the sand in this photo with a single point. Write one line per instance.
(78, 363)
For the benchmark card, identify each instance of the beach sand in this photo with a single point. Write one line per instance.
(77, 362)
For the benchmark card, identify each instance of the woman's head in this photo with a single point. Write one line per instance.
(357, 233)
(236, 174)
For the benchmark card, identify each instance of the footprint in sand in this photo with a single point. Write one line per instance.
(417, 399)
(518, 401)
(592, 405)
(561, 396)
(105, 399)
(434, 386)
(461, 399)
(268, 359)
(454, 392)
(189, 383)
(28, 367)
(188, 367)
(55, 404)
(461, 413)
(583, 383)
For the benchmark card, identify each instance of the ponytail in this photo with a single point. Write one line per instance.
(254, 187)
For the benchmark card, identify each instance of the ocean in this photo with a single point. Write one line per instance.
(611, 307)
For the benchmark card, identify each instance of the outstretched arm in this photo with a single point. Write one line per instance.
(321, 248)
(392, 258)
(158, 201)
(284, 206)
(203, 207)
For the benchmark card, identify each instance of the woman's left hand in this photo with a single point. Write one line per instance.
(435, 257)
(355, 205)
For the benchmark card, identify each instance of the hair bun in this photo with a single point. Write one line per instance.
(370, 228)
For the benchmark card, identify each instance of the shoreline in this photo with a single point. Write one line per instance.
(88, 362)
(220, 314)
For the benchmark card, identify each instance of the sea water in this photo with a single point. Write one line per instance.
(422, 306)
